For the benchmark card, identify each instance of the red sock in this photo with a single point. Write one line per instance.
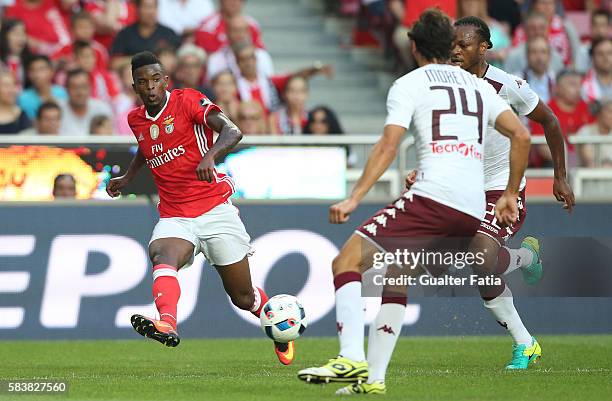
(260, 300)
(166, 292)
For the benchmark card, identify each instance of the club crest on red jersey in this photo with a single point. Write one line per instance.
(168, 124)
(154, 131)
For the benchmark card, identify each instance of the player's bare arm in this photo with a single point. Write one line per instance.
(381, 157)
(115, 185)
(229, 136)
(508, 124)
(544, 116)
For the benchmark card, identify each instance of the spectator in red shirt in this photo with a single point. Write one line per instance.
(211, 35)
(407, 13)
(572, 113)
(104, 85)
(45, 25)
(14, 51)
(110, 17)
(561, 34)
(83, 30)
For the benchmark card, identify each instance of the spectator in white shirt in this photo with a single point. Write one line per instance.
(184, 16)
(80, 108)
(224, 58)
(538, 73)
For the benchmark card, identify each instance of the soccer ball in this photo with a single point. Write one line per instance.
(283, 318)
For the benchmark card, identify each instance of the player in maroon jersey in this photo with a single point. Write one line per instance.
(174, 131)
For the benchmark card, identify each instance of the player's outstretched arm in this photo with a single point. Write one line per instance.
(381, 157)
(509, 125)
(229, 136)
(544, 116)
(115, 185)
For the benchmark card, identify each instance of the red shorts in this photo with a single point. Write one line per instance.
(489, 226)
(416, 221)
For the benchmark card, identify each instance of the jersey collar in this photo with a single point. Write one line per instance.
(161, 111)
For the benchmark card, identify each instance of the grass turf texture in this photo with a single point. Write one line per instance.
(434, 368)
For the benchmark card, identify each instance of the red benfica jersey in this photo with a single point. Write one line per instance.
(173, 143)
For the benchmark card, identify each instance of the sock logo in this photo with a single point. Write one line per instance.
(386, 329)
(503, 324)
(159, 294)
(339, 327)
(518, 260)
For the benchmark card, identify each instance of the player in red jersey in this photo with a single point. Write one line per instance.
(174, 131)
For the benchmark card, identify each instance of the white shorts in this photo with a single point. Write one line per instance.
(219, 234)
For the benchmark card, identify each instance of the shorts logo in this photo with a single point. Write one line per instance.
(168, 125)
(154, 131)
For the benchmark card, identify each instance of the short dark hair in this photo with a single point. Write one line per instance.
(596, 42)
(74, 73)
(61, 176)
(144, 58)
(38, 57)
(47, 106)
(80, 45)
(600, 12)
(433, 35)
(139, 2)
(482, 29)
(568, 72)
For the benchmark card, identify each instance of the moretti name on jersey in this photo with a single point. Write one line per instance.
(164, 157)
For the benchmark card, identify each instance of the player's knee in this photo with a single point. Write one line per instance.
(487, 257)
(243, 300)
(159, 257)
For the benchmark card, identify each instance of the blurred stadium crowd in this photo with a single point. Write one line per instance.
(64, 64)
(562, 48)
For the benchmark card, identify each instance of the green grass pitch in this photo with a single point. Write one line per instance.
(573, 368)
